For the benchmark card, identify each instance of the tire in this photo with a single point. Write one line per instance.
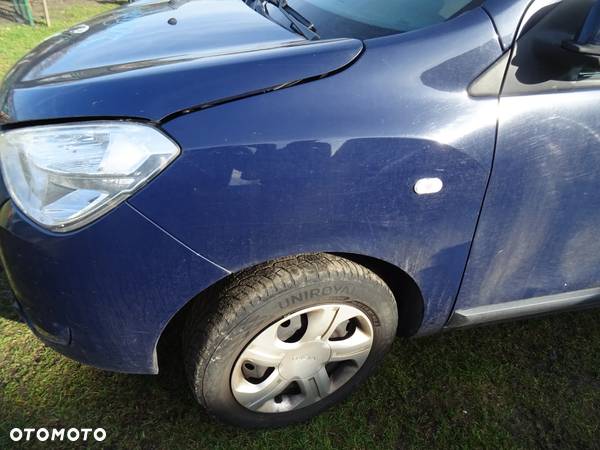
(283, 300)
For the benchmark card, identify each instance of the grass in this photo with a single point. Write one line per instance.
(533, 384)
(16, 40)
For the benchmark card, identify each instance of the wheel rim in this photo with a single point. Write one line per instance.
(302, 358)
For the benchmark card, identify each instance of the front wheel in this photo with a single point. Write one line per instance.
(288, 339)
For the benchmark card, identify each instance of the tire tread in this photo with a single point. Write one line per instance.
(212, 317)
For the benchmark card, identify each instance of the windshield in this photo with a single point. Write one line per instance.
(365, 19)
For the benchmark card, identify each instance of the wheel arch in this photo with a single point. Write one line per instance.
(409, 300)
(411, 306)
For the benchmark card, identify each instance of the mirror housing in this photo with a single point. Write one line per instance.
(587, 41)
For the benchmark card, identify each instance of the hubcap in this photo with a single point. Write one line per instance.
(302, 358)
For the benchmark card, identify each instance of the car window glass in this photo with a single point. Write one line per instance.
(372, 18)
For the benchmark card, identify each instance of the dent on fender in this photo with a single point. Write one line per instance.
(306, 169)
(315, 196)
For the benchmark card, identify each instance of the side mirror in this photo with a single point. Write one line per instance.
(587, 41)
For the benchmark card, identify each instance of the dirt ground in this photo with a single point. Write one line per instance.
(8, 14)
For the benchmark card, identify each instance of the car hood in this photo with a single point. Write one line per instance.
(152, 60)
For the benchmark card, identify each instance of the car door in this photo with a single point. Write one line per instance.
(537, 244)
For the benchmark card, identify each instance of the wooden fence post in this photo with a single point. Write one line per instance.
(47, 13)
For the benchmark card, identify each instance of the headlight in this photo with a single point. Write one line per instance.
(65, 176)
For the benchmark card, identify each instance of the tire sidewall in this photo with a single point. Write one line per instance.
(372, 298)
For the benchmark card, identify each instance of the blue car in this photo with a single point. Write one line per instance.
(287, 186)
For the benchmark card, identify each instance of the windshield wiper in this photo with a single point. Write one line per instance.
(298, 23)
